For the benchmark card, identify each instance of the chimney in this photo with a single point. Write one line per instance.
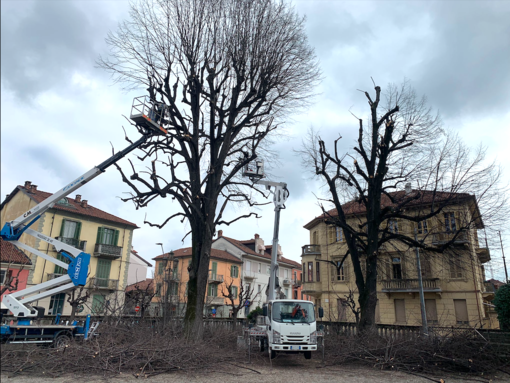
(408, 188)
(78, 198)
(220, 233)
(33, 188)
(257, 236)
(84, 203)
(27, 184)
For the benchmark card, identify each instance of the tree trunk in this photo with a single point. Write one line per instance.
(368, 298)
(234, 320)
(197, 284)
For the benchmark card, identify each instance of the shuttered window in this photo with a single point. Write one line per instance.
(98, 304)
(234, 271)
(57, 304)
(106, 236)
(431, 310)
(400, 310)
(461, 313)
(58, 269)
(103, 271)
(234, 291)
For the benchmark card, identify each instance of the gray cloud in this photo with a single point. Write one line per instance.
(46, 43)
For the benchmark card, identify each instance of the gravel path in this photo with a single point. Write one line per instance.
(285, 369)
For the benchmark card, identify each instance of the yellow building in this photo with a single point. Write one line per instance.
(106, 237)
(453, 282)
(171, 281)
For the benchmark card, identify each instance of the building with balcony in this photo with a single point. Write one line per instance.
(256, 259)
(453, 281)
(106, 237)
(171, 282)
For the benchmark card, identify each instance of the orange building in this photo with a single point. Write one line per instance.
(171, 282)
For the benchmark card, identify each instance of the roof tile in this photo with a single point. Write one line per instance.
(11, 254)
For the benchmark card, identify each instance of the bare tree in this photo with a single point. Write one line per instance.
(11, 281)
(402, 143)
(229, 72)
(140, 295)
(76, 300)
(245, 294)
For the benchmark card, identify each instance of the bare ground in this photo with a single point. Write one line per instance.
(285, 368)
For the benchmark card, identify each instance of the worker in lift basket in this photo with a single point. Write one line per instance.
(156, 110)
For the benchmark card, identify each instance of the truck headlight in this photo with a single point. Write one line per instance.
(313, 337)
(277, 338)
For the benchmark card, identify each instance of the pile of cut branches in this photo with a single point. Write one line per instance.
(141, 349)
(445, 352)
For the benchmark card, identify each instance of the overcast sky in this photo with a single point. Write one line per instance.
(60, 113)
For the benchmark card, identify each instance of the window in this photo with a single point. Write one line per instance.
(431, 310)
(317, 271)
(58, 269)
(212, 290)
(302, 295)
(248, 266)
(310, 271)
(260, 268)
(303, 273)
(342, 312)
(426, 269)
(161, 267)
(106, 236)
(103, 272)
(57, 304)
(64, 201)
(339, 234)
(397, 268)
(70, 230)
(422, 227)
(455, 266)
(400, 310)
(98, 304)
(214, 270)
(268, 269)
(158, 289)
(295, 294)
(3, 273)
(449, 222)
(461, 313)
(234, 292)
(295, 276)
(338, 273)
(315, 240)
(285, 273)
(393, 226)
(234, 271)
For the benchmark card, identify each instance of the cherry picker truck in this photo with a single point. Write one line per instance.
(287, 325)
(149, 118)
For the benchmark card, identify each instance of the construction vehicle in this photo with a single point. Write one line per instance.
(148, 117)
(288, 325)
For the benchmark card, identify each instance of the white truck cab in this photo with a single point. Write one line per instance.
(291, 326)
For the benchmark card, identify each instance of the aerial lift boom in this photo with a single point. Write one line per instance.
(77, 270)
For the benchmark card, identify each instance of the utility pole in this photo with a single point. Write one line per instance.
(424, 326)
(502, 252)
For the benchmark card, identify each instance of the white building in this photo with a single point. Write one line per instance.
(256, 258)
(137, 270)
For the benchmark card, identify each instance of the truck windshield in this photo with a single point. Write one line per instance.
(293, 312)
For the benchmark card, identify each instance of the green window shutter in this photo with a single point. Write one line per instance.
(62, 227)
(209, 291)
(103, 268)
(99, 238)
(116, 238)
(78, 230)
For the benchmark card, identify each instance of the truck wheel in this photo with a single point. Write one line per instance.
(61, 341)
(308, 354)
(273, 354)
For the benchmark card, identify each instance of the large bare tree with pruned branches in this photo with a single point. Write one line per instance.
(402, 144)
(229, 72)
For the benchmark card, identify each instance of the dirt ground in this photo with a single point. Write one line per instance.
(285, 368)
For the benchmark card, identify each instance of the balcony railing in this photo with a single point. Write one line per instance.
(249, 274)
(107, 251)
(75, 242)
(442, 238)
(311, 249)
(286, 281)
(53, 276)
(489, 288)
(103, 283)
(215, 278)
(296, 282)
(212, 301)
(411, 285)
